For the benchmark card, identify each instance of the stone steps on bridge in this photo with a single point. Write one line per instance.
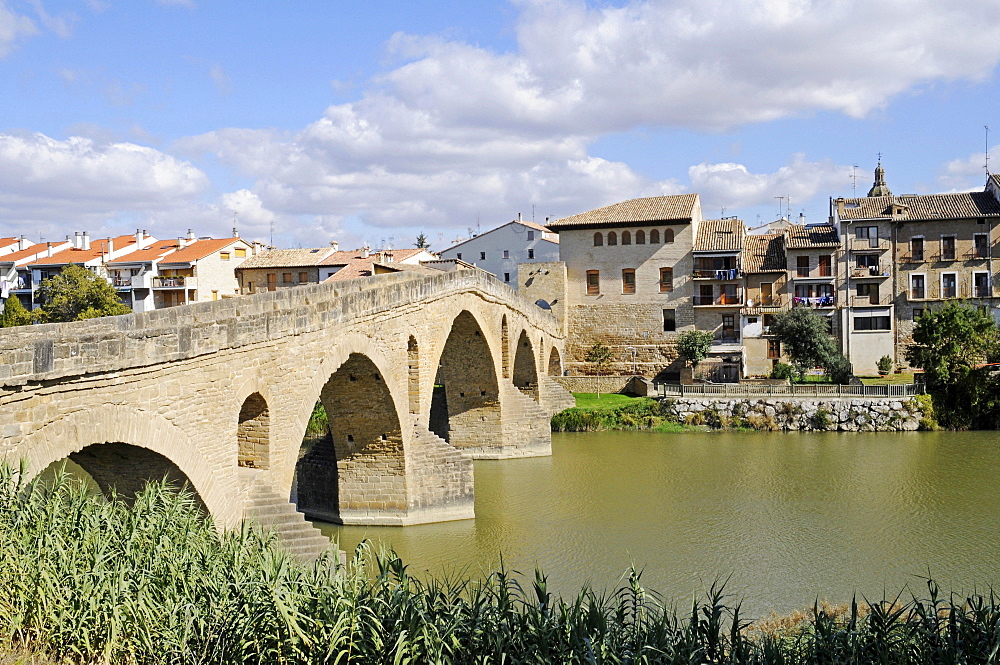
(555, 397)
(270, 510)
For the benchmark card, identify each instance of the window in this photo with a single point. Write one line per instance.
(668, 236)
(869, 291)
(531, 253)
(872, 322)
(286, 277)
(482, 256)
(669, 320)
(531, 235)
(916, 249)
(869, 233)
(628, 280)
(729, 327)
(864, 290)
(598, 240)
(224, 256)
(766, 321)
(458, 256)
(593, 282)
(666, 280)
(802, 266)
(506, 253)
(773, 349)
(303, 277)
(981, 285)
(947, 248)
(981, 245)
(612, 238)
(240, 253)
(654, 237)
(640, 237)
(506, 277)
(825, 263)
(917, 313)
(917, 287)
(868, 261)
(949, 285)
(728, 295)
(626, 238)
(272, 281)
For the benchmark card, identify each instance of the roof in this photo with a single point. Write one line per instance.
(98, 248)
(530, 225)
(924, 207)
(288, 258)
(764, 253)
(7, 242)
(720, 235)
(199, 249)
(29, 253)
(805, 237)
(153, 252)
(676, 208)
(995, 180)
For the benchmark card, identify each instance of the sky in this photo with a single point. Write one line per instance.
(312, 121)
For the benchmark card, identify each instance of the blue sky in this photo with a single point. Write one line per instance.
(372, 122)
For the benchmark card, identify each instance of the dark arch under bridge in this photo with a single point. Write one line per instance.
(419, 375)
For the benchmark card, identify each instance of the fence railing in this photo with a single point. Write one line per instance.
(793, 390)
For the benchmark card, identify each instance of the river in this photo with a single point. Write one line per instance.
(787, 517)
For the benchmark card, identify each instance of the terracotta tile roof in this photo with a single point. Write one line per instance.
(764, 253)
(995, 179)
(98, 248)
(804, 237)
(679, 207)
(720, 235)
(288, 258)
(29, 253)
(199, 249)
(924, 207)
(7, 242)
(153, 252)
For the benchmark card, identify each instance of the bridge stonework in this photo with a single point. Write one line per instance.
(409, 368)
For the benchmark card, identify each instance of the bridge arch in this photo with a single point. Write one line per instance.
(525, 373)
(555, 363)
(126, 447)
(253, 433)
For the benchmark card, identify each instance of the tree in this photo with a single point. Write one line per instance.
(422, 242)
(76, 294)
(806, 339)
(599, 356)
(694, 346)
(14, 314)
(952, 345)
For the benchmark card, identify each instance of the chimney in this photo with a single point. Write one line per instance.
(802, 218)
(334, 244)
(365, 251)
(519, 217)
(191, 235)
(48, 249)
(67, 238)
(236, 232)
(86, 241)
(840, 206)
(180, 241)
(77, 241)
(139, 237)
(111, 247)
(23, 242)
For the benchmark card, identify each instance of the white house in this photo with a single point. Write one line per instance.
(500, 250)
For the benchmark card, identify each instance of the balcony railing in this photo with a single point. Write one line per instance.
(869, 301)
(728, 338)
(122, 282)
(793, 390)
(869, 244)
(731, 273)
(765, 301)
(704, 301)
(21, 285)
(912, 257)
(815, 301)
(977, 254)
(860, 272)
(171, 282)
(935, 292)
(807, 273)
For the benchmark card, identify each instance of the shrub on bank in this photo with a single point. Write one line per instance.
(636, 414)
(91, 580)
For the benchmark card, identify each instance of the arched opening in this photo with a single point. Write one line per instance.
(668, 236)
(359, 468)
(468, 409)
(612, 238)
(413, 374)
(654, 237)
(598, 239)
(555, 362)
(626, 238)
(640, 237)
(253, 434)
(525, 376)
(121, 469)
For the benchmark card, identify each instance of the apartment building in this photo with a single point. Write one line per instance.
(202, 269)
(765, 275)
(132, 274)
(499, 251)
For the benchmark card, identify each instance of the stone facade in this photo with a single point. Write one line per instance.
(219, 394)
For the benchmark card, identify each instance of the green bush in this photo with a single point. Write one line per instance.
(784, 371)
(637, 414)
(885, 365)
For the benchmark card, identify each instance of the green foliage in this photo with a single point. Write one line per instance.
(885, 365)
(599, 356)
(421, 242)
(319, 423)
(784, 371)
(694, 346)
(76, 294)
(14, 314)
(805, 338)
(638, 413)
(925, 404)
(951, 345)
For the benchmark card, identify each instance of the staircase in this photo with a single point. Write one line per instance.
(270, 510)
(527, 429)
(554, 396)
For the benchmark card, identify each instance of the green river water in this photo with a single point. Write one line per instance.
(787, 517)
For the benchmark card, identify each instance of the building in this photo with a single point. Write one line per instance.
(765, 275)
(499, 251)
(132, 274)
(201, 270)
(275, 269)
(625, 280)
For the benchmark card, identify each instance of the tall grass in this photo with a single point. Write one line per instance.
(101, 581)
(635, 414)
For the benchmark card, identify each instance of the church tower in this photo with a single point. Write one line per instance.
(879, 188)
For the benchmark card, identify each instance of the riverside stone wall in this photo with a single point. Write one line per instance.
(835, 415)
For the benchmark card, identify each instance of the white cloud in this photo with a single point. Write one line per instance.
(13, 29)
(968, 173)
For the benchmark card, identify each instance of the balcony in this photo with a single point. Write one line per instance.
(977, 254)
(727, 274)
(868, 272)
(21, 284)
(816, 302)
(803, 273)
(912, 257)
(935, 292)
(174, 283)
(143, 280)
(724, 300)
(869, 244)
(871, 301)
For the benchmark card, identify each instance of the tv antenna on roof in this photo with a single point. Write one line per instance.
(987, 128)
(854, 177)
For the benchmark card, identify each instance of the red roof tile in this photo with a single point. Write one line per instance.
(199, 249)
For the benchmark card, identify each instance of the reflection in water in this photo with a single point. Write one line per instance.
(790, 517)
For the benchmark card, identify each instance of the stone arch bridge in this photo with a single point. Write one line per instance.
(418, 376)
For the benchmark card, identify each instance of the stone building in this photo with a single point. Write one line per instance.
(202, 270)
(765, 275)
(501, 250)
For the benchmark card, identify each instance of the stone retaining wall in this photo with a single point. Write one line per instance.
(843, 415)
(591, 384)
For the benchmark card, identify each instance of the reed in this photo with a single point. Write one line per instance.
(92, 580)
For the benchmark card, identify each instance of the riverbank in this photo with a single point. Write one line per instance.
(90, 580)
(620, 412)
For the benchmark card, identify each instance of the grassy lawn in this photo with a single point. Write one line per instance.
(605, 401)
(891, 379)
